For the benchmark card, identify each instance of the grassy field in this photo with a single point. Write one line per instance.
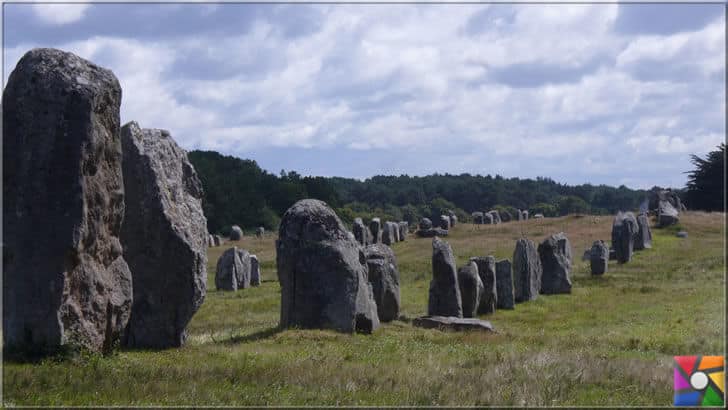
(610, 342)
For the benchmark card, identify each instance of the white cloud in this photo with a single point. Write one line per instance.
(60, 14)
(413, 79)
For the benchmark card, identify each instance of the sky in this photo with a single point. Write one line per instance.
(616, 94)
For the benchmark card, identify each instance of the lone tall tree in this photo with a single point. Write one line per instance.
(706, 183)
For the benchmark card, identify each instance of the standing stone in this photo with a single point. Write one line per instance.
(525, 215)
(538, 216)
(445, 222)
(322, 271)
(471, 289)
(425, 224)
(506, 216)
(65, 280)
(254, 271)
(236, 233)
(164, 235)
(375, 227)
(527, 271)
(384, 278)
(599, 258)
(361, 232)
(478, 218)
(453, 218)
(218, 240)
(395, 231)
(403, 230)
(486, 271)
(624, 229)
(259, 232)
(519, 215)
(488, 218)
(233, 270)
(504, 285)
(445, 298)
(667, 214)
(643, 238)
(210, 241)
(496, 217)
(390, 232)
(555, 254)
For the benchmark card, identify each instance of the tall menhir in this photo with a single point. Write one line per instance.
(65, 279)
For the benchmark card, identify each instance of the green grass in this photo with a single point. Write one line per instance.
(610, 342)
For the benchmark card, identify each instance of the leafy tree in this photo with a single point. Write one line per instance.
(706, 183)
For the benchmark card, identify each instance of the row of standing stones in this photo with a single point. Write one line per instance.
(118, 249)
(236, 234)
(332, 278)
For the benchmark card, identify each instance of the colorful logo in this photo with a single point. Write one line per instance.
(699, 380)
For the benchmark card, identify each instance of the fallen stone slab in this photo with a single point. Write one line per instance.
(453, 323)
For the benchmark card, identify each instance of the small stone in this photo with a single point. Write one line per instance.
(236, 233)
(453, 323)
(254, 271)
(598, 258)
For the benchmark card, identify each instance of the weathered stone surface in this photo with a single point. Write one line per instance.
(453, 323)
(478, 218)
(682, 234)
(486, 271)
(236, 233)
(612, 254)
(255, 277)
(587, 255)
(555, 255)
(527, 271)
(471, 289)
(375, 228)
(218, 240)
(164, 235)
(361, 232)
(431, 233)
(384, 277)
(599, 258)
(504, 285)
(389, 233)
(445, 298)
(323, 272)
(643, 237)
(506, 216)
(65, 280)
(259, 232)
(403, 230)
(667, 214)
(233, 270)
(425, 224)
(668, 195)
(453, 218)
(624, 229)
(445, 222)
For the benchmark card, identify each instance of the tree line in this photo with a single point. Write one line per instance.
(238, 191)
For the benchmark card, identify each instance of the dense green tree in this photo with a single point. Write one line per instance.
(706, 183)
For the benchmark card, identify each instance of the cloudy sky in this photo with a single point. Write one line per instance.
(613, 94)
